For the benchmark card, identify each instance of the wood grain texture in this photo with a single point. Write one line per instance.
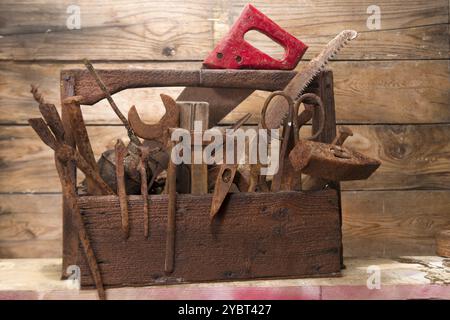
(31, 225)
(427, 42)
(386, 223)
(412, 156)
(109, 30)
(403, 25)
(176, 30)
(260, 242)
(15, 96)
(379, 92)
(365, 92)
(166, 34)
(313, 17)
(40, 279)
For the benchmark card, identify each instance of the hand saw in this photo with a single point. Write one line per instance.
(233, 52)
(294, 90)
(300, 82)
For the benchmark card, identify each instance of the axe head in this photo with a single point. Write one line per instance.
(233, 52)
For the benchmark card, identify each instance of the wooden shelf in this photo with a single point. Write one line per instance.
(401, 278)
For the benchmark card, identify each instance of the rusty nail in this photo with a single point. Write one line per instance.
(171, 217)
(344, 133)
(120, 153)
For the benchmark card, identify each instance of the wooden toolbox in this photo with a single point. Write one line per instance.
(256, 235)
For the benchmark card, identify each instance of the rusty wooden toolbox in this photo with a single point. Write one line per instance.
(256, 235)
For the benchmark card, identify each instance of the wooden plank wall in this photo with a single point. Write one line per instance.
(391, 87)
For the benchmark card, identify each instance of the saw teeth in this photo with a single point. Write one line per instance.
(338, 42)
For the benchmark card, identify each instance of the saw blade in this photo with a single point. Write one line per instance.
(296, 87)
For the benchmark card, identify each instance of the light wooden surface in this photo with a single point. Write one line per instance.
(400, 278)
(391, 88)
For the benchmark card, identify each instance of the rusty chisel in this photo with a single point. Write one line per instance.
(225, 177)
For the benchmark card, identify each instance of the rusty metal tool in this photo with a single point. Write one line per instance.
(50, 114)
(145, 152)
(120, 153)
(157, 162)
(114, 106)
(159, 131)
(171, 182)
(255, 179)
(293, 181)
(144, 192)
(63, 153)
(285, 178)
(79, 133)
(296, 86)
(225, 177)
(331, 162)
(68, 189)
(315, 183)
(233, 52)
(56, 140)
(344, 133)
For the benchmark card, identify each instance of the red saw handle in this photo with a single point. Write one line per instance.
(233, 52)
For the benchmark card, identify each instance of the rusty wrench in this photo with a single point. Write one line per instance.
(160, 130)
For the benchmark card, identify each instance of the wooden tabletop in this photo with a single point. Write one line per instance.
(400, 278)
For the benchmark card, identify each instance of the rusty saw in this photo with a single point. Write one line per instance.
(234, 52)
(298, 84)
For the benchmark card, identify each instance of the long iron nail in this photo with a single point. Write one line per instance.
(120, 153)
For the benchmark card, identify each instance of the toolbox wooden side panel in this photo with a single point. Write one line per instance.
(287, 234)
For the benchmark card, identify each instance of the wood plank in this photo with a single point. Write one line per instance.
(148, 30)
(142, 30)
(365, 92)
(325, 17)
(387, 223)
(30, 225)
(260, 242)
(427, 42)
(15, 96)
(412, 156)
(380, 92)
(381, 223)
(31, 249)
(39, 279)
(291, 14)
(403, 25)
